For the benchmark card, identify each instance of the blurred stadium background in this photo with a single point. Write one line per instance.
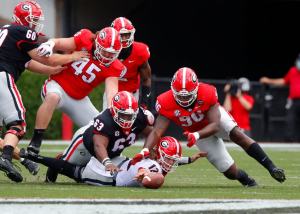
(220, 39)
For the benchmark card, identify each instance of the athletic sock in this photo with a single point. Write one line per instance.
(61, 166)
(256, 152)
(8, 152)
(37, 137)
(244, 178)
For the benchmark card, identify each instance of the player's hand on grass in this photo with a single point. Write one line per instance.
(198, 155)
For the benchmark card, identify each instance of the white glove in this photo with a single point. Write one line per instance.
(46, 48)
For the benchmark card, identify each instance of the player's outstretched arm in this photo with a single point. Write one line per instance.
(40, 68)
(59, 44)
(145, 74)
(58, 59)
(111, 88)
(100, 148)
(160, 126)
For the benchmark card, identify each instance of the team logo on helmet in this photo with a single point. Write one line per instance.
(177, 113)
(102, 35)
(117, 98)
(194, 78)
(164, 144)
(26, 7)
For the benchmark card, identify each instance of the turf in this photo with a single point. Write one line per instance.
(197, 180)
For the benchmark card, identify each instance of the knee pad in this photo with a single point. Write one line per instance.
(13, 129)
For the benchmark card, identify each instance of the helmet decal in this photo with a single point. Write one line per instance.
(164, 144)
(26, 7)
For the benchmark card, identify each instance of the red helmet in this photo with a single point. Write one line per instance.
(169, 152)
(108, 45)
(184, 86)
(124, 109)
(29, 13)
(126, 30)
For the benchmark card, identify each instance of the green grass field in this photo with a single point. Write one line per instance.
(197, 180)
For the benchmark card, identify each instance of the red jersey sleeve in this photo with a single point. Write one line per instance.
(143, 52)
(83, 39)
(214, 96)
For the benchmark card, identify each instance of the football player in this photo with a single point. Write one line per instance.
(68, 91)
(18, 50)
(168, 153)
(109, 134)
(134, 56)
(194, 106)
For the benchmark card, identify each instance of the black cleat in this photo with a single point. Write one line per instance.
(7, 167)
(28, 155)
(278, 174)
(51, 175)
(33, 148)
(251, 183)
(32, 167)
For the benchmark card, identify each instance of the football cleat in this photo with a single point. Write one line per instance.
(51, 174)
(278, 174)
(7, 167)
(31, 166)
(251, 183)
(33, 148)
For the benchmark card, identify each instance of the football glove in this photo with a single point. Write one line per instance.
(46, 49)
(192, 138)
(140, 156)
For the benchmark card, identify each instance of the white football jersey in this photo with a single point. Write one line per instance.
(95, 174)
(126, 177)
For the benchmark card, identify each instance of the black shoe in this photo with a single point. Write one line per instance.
(7, 167)
(251, 183)
(278, 174)
(32, 167)
(51, 174)
(28, 154)
(33, 148)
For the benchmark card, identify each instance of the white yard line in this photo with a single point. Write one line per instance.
(87, 206)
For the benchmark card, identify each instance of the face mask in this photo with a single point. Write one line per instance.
(298, 65)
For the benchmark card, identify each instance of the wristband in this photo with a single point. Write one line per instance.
(197, 135)
(106, 161)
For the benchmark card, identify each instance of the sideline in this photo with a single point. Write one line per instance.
(89, 206)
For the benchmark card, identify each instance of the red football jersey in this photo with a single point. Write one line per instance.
(131, 80)
(190, 119)
(81, 77)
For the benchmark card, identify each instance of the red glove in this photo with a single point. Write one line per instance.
(192, 138)
(140, 156)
